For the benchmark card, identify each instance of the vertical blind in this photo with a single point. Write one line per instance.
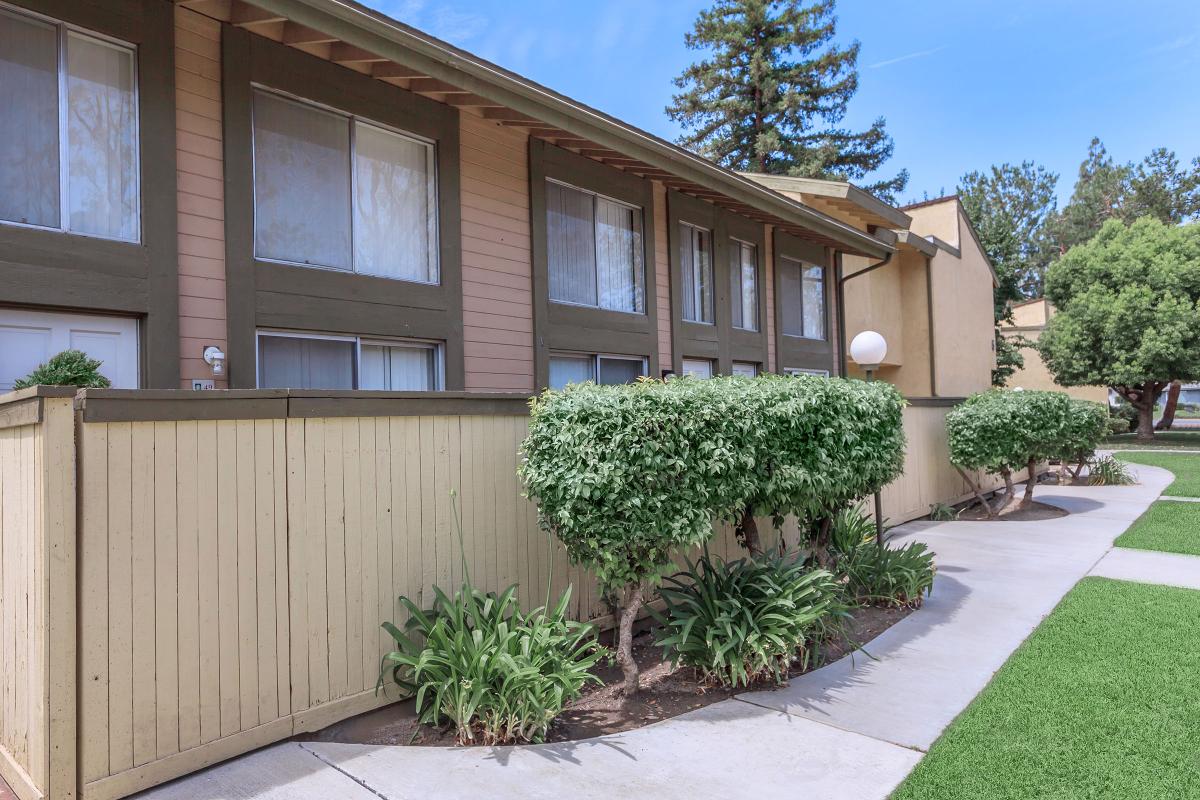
(695, 259)
(409, 368)
(95, 191)
(802, 299)
(594, 250)
(743, 284)
(305, 362)
(337, 192)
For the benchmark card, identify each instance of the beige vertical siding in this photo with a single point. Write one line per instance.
(662, 276)
(200, 194)
(497, 267)
(22, 637)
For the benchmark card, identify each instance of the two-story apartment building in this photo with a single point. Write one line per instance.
(335, 200)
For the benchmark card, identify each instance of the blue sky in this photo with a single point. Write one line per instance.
(963, 85)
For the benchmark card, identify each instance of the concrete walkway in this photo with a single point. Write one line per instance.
(1148, 566)
(852, 729)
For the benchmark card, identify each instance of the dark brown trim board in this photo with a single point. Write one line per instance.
(561, 327)
(79, 273)
(720, 341)
(115, 405)
(270, 295)
(796, 352)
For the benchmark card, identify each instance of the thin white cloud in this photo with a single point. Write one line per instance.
(906, 57)
(1174, 44)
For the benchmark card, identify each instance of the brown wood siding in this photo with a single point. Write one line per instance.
(496, 272)
(200, 195)
(662, 286)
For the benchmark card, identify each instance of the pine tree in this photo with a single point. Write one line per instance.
(770, 94)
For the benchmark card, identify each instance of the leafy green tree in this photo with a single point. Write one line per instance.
(771, 91)
(68, 368)
(1128, 306)
(1009, 357)
(1009, 205)
(1156, 187)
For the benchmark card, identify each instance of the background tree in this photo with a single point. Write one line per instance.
(1128, 306)
(770, 94)
(1156, 187)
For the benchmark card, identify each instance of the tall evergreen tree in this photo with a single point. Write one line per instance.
(1156, 187)
(771, 91)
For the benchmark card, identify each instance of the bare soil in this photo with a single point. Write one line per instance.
(665, 693)
(1014, 513)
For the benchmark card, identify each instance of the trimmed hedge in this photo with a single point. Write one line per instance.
(1001, 431)
(624, 476)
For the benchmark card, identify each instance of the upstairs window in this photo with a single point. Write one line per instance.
(696, 267)
(802, 299)
(594, 249)
(68, 129)
(335, 191)
(743, 284)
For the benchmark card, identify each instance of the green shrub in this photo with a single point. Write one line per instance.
(68, 368)
(1002, 431)
(738, 622)
(496, 674)
(940, 512)
(1086, 426)
(624, 476)
(887, 576)
(1117, 425)
(1107, 471)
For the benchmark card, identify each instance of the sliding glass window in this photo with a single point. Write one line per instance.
(695, 259)
(338, 192)
(289, 360)
(743, 284)
(602, 369)
(594, 249)
(802, 301)
(68, 129)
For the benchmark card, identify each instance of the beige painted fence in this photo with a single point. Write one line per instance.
(236, 553)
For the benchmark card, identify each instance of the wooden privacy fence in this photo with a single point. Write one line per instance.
(189, 576)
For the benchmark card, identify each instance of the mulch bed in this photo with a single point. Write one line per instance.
(665, 693)
(1014, 513)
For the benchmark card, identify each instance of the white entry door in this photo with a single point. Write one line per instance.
(29, 338)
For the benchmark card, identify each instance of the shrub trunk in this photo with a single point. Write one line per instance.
(1030, 482)
(1010, 491)
(631, 604)
(747, 532)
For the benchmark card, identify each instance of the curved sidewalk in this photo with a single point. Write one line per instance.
(852, 729)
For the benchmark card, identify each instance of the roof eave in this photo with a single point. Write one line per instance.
(388, 38)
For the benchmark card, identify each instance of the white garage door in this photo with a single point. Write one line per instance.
(29, 338)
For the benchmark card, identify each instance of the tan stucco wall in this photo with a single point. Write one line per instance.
(200, 192)
(962, 301)
(874, 302)
(1029, 320)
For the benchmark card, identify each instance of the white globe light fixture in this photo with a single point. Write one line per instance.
(868, 349)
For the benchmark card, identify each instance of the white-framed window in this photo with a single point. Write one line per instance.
(294, 360)
(567, 368)
(743, 284)
(698, 367)
(696, 267)
(68, 129)
(335, 191)
(820, 373)
(747, 369)
(802, 299)
(594, 250)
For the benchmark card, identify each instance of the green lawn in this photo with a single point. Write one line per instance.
(1164, 440)
(1185, 466)
(1099, 704)
(1167, 526)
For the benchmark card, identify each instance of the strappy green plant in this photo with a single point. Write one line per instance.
(899, 577)
(744, 621)
(496, 674)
